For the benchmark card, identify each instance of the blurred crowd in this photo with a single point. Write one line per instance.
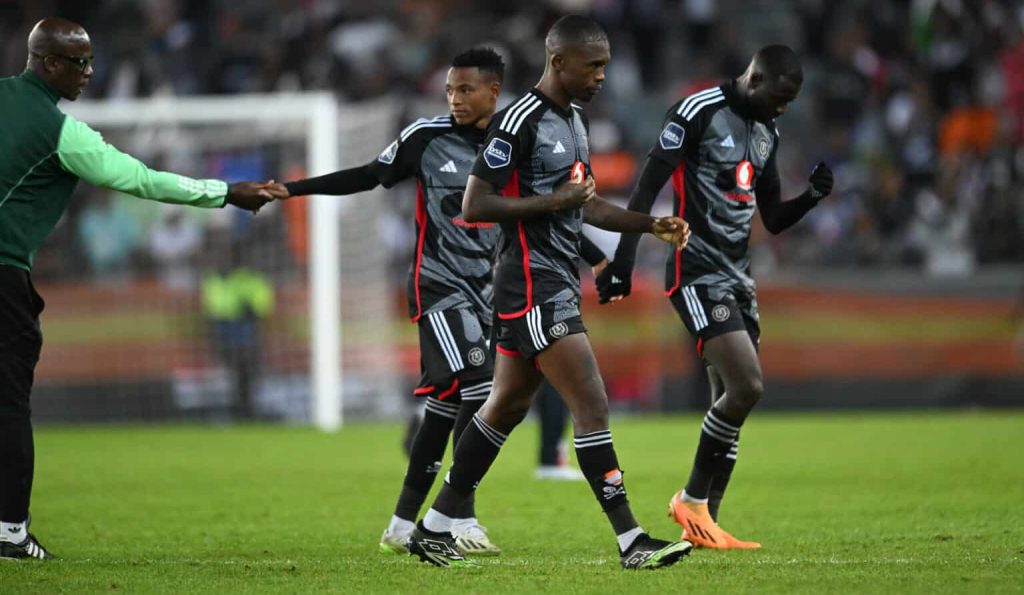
(918, 105)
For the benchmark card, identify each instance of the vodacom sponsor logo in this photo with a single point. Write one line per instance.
(460, 222)
(578, 171)
(744, 175)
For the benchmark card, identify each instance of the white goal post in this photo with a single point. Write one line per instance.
(318, 118)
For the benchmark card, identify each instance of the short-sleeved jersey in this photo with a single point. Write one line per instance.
(454, 259)
(720, 158)
(530, 149)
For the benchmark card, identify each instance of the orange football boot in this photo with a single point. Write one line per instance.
(733, 543)
(698, 526)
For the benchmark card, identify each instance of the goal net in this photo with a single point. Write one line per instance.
(168, 312)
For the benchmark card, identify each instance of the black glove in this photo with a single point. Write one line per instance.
(821, 181)
(614, 280)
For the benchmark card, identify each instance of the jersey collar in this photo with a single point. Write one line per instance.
(470, 132)
(564, 112)
(34, 79)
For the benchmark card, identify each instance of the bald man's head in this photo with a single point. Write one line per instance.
(60, 52)
(56, 35)
(771, 82)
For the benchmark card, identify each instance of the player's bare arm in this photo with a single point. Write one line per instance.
(606, 215)
(482, 203)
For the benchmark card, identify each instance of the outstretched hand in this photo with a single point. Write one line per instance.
(278, 190)
(250, 196)
(673, 230)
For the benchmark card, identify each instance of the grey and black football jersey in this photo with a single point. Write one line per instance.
(530, 149)
(454, 259)
(720, 159)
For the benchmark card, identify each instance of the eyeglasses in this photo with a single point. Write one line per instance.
(80, 63)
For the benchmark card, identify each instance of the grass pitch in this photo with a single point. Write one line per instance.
(907, 502)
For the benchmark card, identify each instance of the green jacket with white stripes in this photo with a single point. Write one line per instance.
(43, 153)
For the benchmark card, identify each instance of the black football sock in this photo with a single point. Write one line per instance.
(600, 466)
(473, 398)
(716, 438)
(721, 480)
(425, 456)
(474, 454)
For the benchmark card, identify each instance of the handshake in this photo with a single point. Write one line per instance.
(251, 196)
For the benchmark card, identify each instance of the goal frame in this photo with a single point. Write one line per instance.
(318, 114)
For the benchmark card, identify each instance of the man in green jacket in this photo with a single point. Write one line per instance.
(43, 153)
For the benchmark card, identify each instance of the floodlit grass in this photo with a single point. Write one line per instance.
(908, 502)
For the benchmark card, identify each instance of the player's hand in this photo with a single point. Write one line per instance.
(597, 268)
(278, 190)
(249, 195)
(821, 181)
(614, 282)
(574, 196)
(673, 230)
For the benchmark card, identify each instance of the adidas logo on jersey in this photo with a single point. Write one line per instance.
(558, 148)
(727, 142)
(449, 167)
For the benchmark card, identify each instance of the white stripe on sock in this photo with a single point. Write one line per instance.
(715, 434)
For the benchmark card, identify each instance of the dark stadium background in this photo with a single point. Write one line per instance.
(904, 288)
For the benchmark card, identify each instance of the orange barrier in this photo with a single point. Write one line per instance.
(143, 330)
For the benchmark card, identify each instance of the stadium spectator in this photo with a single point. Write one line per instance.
(900, 80)
(174, 242)
(110, 236)
(237, 300)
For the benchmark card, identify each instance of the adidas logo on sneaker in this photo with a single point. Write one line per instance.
(558, 148)
(727, 142)
(449, 167)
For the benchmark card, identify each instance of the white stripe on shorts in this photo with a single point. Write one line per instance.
(444, 337)
(694, 306)
(533, 322)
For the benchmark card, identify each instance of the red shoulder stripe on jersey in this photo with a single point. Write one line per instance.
(421, 224)
(679, 184)
(700, 346)
(512, 189)
(449, 392)
(423, 390)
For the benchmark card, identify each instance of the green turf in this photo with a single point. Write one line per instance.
(908, 502)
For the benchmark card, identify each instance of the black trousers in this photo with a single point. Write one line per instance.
(20, 343)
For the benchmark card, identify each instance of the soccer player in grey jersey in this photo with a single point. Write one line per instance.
(449, 285)
(537, 151)
(718, 146)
